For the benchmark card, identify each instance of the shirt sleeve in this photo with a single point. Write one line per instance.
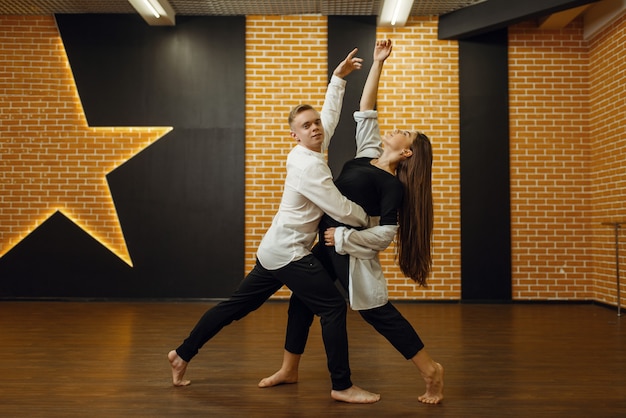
(368, 140)
(331, 109)
(364, 244)
(316, 184)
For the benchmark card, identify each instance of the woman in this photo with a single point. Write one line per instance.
(393, 184)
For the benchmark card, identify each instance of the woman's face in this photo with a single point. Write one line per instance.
(398, 140)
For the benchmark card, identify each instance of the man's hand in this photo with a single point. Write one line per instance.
(329, 237)
(351, 63)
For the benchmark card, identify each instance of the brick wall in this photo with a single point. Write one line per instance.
(49, 158)
(568, 147)
(607, 127)
(550, 151)
(281, 72)
(418, 91)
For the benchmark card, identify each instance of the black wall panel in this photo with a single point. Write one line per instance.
(127, 72)
(181, 207)
(181, 200)
(344, 34)
(484, 149)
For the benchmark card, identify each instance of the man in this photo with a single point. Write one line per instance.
(284, 255)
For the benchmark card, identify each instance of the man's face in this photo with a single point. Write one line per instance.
(307, 130)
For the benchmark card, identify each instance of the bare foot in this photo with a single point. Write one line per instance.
(355, 394)
(179, 366)
(434, 386)
(281, 377)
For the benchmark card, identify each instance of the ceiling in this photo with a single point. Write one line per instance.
(231, 7)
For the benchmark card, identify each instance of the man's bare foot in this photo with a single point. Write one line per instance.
(434, 386)
(179, 366)
(355, 394)
(281, 377)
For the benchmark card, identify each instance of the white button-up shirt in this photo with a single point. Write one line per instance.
(309, 192)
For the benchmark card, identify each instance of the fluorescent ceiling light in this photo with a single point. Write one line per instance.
(394, 12)
(155, 12)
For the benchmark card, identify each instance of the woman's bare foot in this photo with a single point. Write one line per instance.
(355, 394)
(179, 366)
(288, 372)
(281, 377)
(434, 386)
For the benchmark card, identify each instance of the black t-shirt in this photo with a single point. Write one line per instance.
(377, 191)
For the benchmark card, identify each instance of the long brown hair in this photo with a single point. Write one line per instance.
(415, 216)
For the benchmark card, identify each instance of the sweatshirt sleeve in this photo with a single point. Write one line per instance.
(364, 244)
(368, 140)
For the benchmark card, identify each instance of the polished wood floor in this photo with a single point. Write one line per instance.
(108, 359)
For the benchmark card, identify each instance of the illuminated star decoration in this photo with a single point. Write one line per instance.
(50, 159)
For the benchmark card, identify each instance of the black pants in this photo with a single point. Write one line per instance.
(307, 279)
(386, 319)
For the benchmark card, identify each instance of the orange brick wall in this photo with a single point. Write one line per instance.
(550, 151)
(286, 65)
(607, 127)
(568, 151)
(49, 158)
(419, 90)
(281, 71)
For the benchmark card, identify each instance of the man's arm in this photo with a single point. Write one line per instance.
(331, 110)
(316, 184)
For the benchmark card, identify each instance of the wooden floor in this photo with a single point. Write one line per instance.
(108, 359)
